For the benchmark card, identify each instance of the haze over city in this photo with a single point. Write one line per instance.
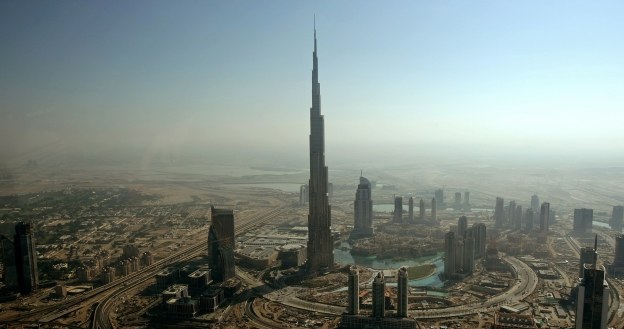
(407, 81)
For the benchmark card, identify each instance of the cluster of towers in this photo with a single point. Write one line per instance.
(20, 259)
(462, 245)
(411, 218)
(378, 293)
(513, 217)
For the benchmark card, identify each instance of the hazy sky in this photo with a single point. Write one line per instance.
(490, 77)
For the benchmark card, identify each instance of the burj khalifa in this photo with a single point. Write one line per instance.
(320, 243)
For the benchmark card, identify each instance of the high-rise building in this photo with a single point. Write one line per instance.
(583, 220)
(421, 209)
(402, 292)
(530, 216)
(588, 255)
(363, 207)
(320, 242)
(518, 218)
(398, 209)
(25, 258)
(480, 239)
(221, 244)
(467, 201)
(618, 259)
(592, 306)
(511, 212)
(434, 215)
(8, 262)
(535, 203)
(617, 218)
(379, 296)
(499, 213)
(462, 226)
(410, 210)
(450, 253)
(439, 196)
(469, 252)
(458, 204)
(303, 194)
(353, 291)
(544, 217)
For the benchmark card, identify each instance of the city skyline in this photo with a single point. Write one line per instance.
(498, 79)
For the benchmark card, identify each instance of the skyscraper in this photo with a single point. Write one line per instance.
(434, 215)
(583, 220)
(363, 207)
(588, 255)
(518, 218)
(398, 209)
(462, 226)
(530, 217)
(439, 196)
(379, 296)
(618, 258)
(469, 252)
(467, 201)
(480, 239)
(353, 291)
(9, 274)
(410, 210)
(592, 306)
(221, 244)
(535, 203)
(320, 243)
(402, 292)
(499, 214)
(457, 205)
(544, 217)
(617, 218)
(25, 258)
(450, 252)
(511, 212)
(303, 194)
(421, 209)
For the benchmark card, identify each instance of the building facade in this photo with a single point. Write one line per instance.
(221, 244)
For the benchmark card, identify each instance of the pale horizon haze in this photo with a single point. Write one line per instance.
(400, 80)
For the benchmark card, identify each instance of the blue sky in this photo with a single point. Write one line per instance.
(492, 77)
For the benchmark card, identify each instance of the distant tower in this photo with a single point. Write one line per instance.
(457, 205)
(320, 242)
(530, 216)
(25, 258)
(402, 292)
(421, 209)
(469, 252)
(379, 296)
(303, 195)
(618, 259)
(434, 215)
(439, 196)
(467, 201)
(617, 218)
(518, 218)
(511, 212)
(354, 291)
(588, 255)
(450, 252)
(592, 306)
(398, 209)
(583, 220)
(411, 210)
(499, 214)
(363, 209)
(544, 217)
(480, 239)
(221, 244)
(535, 203)
(462, 226)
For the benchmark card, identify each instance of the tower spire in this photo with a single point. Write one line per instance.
(315, 33)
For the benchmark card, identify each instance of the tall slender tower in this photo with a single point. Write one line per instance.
(354, 291)
(402, 292)
(320, 246)
(25, 258)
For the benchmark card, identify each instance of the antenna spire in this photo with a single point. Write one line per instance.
(315, 33)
